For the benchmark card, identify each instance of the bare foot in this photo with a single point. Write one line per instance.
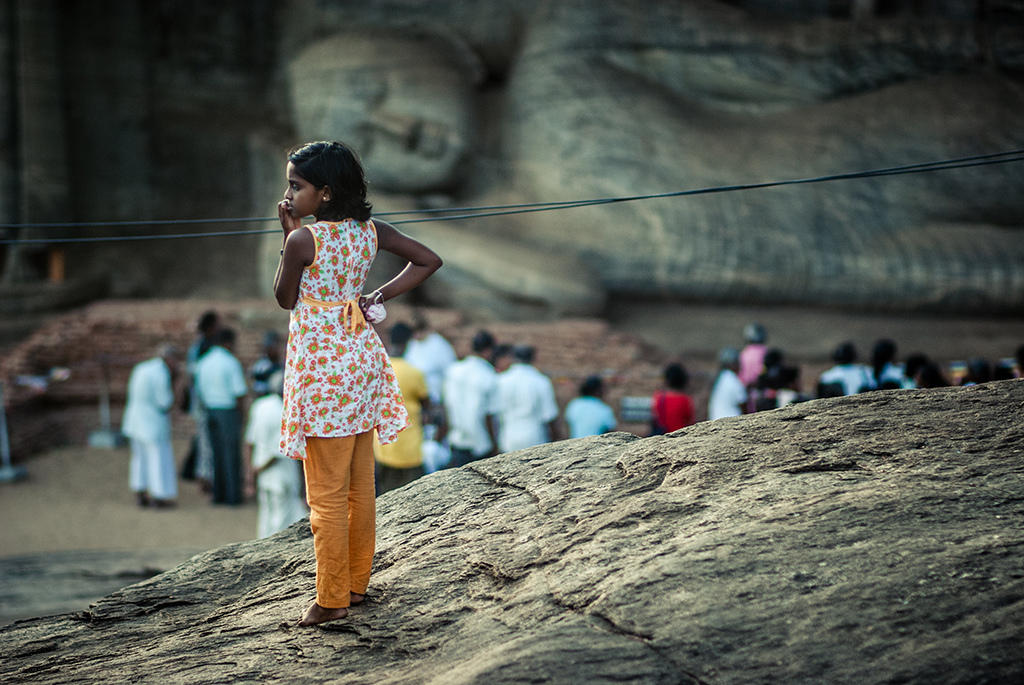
(317, 614)
(356, 598)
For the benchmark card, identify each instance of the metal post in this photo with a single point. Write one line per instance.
(8, 473)
(105, 437)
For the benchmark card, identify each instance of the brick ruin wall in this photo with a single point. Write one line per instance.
(112, 336)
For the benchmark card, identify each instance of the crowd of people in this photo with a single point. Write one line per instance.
(756, 377)
(234, 452)
(492, 400)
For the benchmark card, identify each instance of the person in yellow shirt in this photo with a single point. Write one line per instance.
(401, 462)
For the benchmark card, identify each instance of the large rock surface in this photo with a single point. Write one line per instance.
(868, 539)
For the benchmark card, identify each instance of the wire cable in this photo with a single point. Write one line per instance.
(1005, 157)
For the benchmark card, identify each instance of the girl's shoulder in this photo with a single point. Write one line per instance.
(345, 225)
(342, 227)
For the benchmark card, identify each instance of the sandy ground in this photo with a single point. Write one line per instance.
(71, 532)
(77, 498)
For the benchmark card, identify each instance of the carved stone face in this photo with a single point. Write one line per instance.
(405, 103)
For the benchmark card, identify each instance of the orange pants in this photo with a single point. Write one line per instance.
(339, 490)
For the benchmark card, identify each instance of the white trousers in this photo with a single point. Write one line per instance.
(204, 446)
(152, 469)
(278, 510)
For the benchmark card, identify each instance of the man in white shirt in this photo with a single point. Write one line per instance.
(220, 383)
(847, 373)
(429, 352)
(278, 478)
(527, 408)
(728, 393)
(470, 398)
(199, 462)
(147, 424)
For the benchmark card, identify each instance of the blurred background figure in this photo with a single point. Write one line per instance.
(266, 366)
(432, 354)
(221, 386)
(847, 377)
(527, 409)
(778, 385)
(198, 464)
(429, 352)
(728, 393)
(910, 369)
(147, 424)
(502, 357)
(886, 373)
(470, 402)
(588, 414)
(278, 478)
(752, 354)
(978, 371)
(401, 462)
(1004, 370)
(929, 375)
(671, 407)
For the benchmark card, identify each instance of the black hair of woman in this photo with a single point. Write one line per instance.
(335, 166)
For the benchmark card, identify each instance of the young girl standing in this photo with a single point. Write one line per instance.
(339, 384)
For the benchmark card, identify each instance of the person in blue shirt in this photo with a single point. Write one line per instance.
(588, 414)
(220, 384)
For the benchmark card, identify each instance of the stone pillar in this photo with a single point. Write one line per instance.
(8, 133)
(43, 187)
(109, 84)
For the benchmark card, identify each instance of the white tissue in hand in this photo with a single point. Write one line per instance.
(375, 313)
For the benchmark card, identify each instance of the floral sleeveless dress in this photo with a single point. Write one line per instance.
(338, 379)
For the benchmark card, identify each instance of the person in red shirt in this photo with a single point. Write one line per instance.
(671, 408)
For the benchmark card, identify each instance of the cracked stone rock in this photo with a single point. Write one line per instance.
(876, 538)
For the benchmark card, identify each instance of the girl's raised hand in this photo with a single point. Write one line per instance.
(288, 222)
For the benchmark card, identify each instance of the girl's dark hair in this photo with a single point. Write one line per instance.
(335, 165)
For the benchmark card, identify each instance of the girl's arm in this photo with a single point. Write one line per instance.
(298, 253)
(422, 261)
